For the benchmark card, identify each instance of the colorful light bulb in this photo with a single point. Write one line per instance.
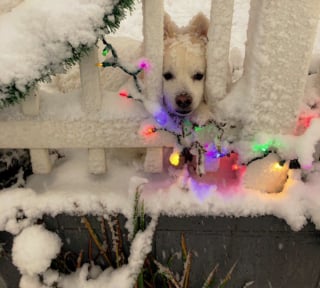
(279, 165)
(262, 147)
(144, 64)
(124, 93)
(149, 131)
(105, 52)
(174, 159)
(198, 128)
(235, 167)
(161, 117)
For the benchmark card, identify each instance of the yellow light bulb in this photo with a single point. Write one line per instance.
(99, 64)
(174, 159)
(277, 166)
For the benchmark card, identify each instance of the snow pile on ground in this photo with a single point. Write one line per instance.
(34, 248)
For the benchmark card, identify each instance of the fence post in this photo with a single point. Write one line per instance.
(91, 100)
(153, 46)
(90, 82)
(96, 162)
(218, 50)
(154, 160)
(280, 40)
(153, 12)
(40, 159)
(31, 104)
(41, 162)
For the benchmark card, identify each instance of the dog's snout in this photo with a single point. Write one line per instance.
(184, 101)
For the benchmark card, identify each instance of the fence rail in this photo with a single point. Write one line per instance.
(279, 47)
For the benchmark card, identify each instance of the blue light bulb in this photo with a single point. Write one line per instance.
(161, 117)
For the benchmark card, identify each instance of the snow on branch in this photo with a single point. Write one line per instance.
(42, 37)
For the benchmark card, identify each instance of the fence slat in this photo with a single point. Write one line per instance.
(218, 50)
(91, 97)
(83, 133)
(280, 41)
(40, 160)
(154, 160)
(97, 161)
(153, 46)
(31, 105)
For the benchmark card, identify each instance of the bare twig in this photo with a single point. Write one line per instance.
(79, 260)
(96, 240)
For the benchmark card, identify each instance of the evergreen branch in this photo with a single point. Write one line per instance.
(13, 95)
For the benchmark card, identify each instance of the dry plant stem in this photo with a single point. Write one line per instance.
(120, 243)
(168, 274)
(211, 277)
(228, 276)
(79, 260)
(90, 250)
(186, 272)
(95, 239)
(184, 247)
(104, 231)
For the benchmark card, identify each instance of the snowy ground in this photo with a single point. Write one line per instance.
(70, 188)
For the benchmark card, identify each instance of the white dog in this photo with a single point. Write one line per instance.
(184, 68)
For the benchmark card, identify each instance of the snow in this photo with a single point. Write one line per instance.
(69, 188)
(22, 55)
(34, 248)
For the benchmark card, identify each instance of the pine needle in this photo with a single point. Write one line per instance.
(211, 277)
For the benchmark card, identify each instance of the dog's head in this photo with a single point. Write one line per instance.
(184, 64)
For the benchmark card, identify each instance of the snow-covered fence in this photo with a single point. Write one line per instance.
(280, 41)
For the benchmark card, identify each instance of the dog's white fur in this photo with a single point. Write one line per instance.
(184, 61)
(184, 56)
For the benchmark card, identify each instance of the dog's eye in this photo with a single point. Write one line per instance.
(168, 76)
(197, 76)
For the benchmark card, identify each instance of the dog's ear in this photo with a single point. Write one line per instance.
(170, 28)
(198, 25)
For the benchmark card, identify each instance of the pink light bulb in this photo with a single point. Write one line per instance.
(144, 64)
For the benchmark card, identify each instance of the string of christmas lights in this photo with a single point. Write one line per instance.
(180, 127)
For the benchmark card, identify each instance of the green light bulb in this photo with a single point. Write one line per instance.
(105, 52)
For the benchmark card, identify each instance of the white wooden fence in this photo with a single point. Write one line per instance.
(280, 41)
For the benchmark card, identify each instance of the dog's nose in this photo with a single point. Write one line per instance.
(184, 101)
